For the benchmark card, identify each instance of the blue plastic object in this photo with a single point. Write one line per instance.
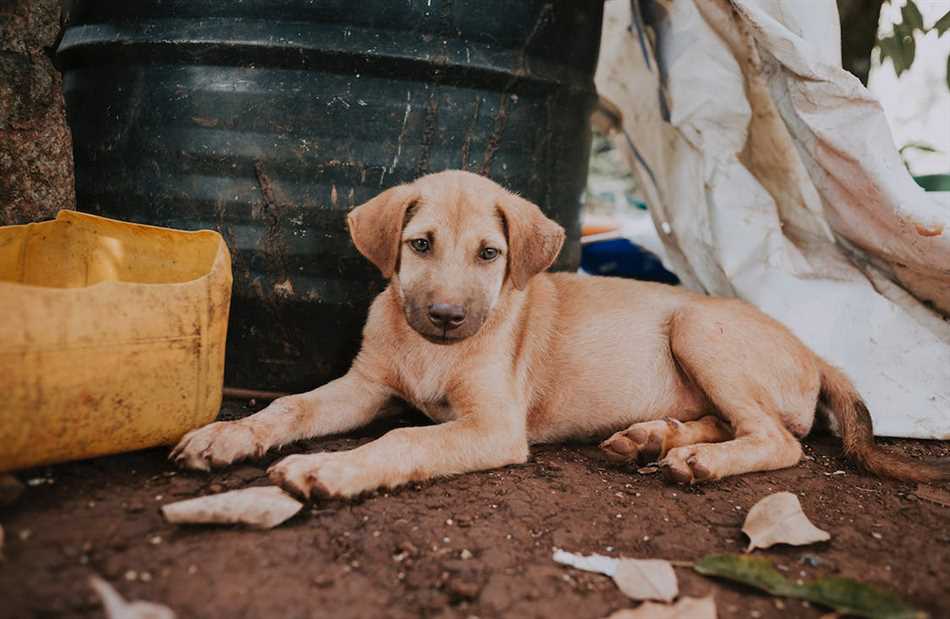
(621, 258)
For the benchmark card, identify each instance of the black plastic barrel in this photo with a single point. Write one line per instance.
(269, 119)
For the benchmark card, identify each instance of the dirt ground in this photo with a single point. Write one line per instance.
(477, 545)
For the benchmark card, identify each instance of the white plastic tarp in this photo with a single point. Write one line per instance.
(771, 175)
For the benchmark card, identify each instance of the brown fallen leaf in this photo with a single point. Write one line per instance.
(261, 507)
(779, 519)
(933, 494)
(639, 579)
(117, 608)
(686, 608)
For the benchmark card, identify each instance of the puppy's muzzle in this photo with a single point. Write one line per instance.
(446, 316)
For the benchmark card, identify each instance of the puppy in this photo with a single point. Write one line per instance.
(472, 332)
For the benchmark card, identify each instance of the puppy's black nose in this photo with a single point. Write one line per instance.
(446, 315)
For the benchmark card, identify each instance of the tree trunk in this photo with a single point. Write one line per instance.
(36, 157)
(859, 19)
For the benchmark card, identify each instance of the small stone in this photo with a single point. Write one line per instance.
(449, 522)
(876, 535)
(466, 554)
(647, 470)
(462, 588)
(131, 575)
(192, 569)
(159, 497)
(155, 540)
(145, 576)
(25, 534)
(10, 489)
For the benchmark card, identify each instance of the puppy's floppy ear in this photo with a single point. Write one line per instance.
(376, 226)
(534, 241)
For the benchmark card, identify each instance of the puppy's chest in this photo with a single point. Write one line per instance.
(423, 383)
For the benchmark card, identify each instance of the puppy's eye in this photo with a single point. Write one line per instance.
(420, 245)
(488, 254)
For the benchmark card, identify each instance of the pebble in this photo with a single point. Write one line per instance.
(463, 588)
(466, 554)
(10, 489)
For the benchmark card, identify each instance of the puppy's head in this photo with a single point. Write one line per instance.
(453, 243)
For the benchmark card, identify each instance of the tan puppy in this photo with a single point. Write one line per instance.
(471, 332)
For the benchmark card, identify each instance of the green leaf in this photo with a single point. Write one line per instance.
(927, 148)
(900, 49)
(841, 594)
(911, 17)
(943, 24)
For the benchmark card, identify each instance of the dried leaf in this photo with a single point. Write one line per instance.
(933, 494)
(779, 519)
(117, 608)
(260, 507)
(590, 563)
(686, 608)
(648, 579)
(841, 594)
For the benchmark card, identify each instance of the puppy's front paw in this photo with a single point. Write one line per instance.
(217, 444)
(323, 474)
(687, 465)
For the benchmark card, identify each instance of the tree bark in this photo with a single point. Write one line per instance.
(36, 157)
(859, 20)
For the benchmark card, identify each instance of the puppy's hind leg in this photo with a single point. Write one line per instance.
(759, 378)
(649, 441)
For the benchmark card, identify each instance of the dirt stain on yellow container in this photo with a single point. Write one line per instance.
(111, 336)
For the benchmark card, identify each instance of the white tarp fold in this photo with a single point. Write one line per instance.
(771, 175)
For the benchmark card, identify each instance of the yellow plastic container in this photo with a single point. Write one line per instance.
(111, 336)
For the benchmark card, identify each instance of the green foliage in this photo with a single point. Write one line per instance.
(842, 594)
(900, 46)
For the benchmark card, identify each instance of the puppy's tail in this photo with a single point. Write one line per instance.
(854, 423)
